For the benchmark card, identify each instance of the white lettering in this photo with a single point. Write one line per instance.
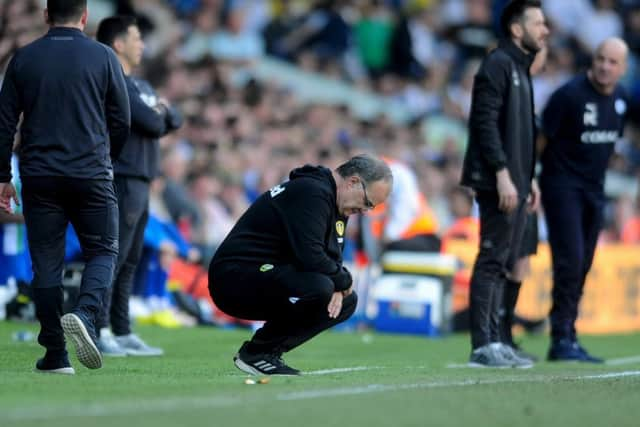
(276, 190)
(599, 137)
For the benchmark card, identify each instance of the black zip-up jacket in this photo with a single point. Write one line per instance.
(149, 121)
(502, 121)
(71, 92)
(294, 223)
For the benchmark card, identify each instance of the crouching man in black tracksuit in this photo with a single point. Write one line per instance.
(72, 95)
(499, 165)
(282, 262)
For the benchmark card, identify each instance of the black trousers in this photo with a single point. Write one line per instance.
(50, 203)
(133, 207)
(293, 303)
(574, 218)
(500, 239)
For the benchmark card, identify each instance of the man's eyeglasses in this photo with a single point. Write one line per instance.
(367, 203)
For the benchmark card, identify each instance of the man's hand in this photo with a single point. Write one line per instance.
(335, 305)
(7, 192)
(507, 193)
(533, 201)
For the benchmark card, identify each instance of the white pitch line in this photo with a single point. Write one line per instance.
(379, 388)
(341, 370)
(172, 404)
(623, 360)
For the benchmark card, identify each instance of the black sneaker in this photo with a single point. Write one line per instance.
(262, 363)
(58, 366)
(77, 332)
(586, 357)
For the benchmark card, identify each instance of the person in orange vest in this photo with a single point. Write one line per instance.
(405, 222)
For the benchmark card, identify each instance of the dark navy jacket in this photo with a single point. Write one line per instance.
(582, 127)
(71, 92)
(149, 121)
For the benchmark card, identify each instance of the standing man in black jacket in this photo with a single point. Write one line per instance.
(72, 96)
(151, 118)
(498, 166)
(282, 262)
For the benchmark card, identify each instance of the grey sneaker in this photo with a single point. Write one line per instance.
(489, 356)
(108, 345)
(134, 346)
(509, 354)
(76, 331)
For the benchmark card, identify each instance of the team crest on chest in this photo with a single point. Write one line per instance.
(340, 228)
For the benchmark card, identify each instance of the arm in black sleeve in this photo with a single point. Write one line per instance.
(117, 107)
(306, 219)
(488, 93)
(146, 120)
(173, 119)
(10, 108)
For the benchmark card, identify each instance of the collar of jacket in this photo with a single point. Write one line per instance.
(65, 31)
(517, 54)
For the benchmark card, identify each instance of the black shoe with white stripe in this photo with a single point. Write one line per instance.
(262, 363)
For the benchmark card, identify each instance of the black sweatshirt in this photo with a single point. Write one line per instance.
(502, 121)
(74, 101)
(149, 121)
(294, 223)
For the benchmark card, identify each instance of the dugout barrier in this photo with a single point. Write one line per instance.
(611, 300)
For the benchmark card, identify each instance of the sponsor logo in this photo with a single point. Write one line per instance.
(599, 137)
(293, 300)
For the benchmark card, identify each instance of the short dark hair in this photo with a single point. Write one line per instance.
(367, 167)
(113, 27)
(63, 11)
(514, 11)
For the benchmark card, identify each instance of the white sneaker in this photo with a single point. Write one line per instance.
(489, 356)
(134, 346)
(509, 354)
(108, 345)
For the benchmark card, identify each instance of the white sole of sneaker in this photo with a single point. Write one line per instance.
(245, 368)
(86, 351)
(480, 365)
(63, 371)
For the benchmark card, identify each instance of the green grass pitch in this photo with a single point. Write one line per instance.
(350, 380)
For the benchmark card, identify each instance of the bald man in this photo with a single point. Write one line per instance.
(581, 124)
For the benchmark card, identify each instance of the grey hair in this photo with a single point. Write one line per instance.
(367, 167)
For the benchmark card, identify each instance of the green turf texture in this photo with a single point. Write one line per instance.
(408, 381)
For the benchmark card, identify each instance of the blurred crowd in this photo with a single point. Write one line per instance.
(244, 132)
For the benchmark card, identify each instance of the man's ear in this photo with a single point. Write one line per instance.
(118, 44)
(46, 16)
(84, 17)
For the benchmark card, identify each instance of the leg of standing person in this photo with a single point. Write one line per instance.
(592, 222)
(513, 284)
(294, 305)
(133, 202)
(93, 210)
(565, 213)
(46, 224)
(499, 233)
